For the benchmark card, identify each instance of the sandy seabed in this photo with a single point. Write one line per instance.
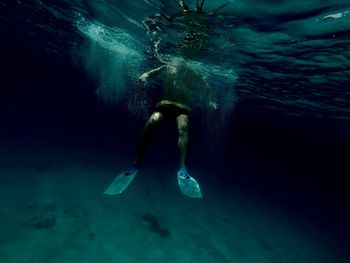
(56, 212)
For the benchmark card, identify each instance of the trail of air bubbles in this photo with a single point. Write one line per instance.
(112, 56)
(112, 39)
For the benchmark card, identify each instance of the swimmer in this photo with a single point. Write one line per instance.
(178, 78)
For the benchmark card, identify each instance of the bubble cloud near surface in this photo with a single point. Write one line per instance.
(291, 57)
(113, 56)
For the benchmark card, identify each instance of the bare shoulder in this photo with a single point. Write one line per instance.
(170, 68)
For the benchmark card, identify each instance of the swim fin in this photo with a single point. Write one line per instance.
(188, 185)
(121, 182)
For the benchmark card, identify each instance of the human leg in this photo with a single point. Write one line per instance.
(122, 181)
(182, 125)
(188, 185)
(154, 121)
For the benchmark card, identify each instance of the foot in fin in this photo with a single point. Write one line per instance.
(122, 181)
(188, 185)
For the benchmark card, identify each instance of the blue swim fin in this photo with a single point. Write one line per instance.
(121, 182)
(188, 185)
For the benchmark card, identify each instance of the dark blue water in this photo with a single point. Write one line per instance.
(280, 71)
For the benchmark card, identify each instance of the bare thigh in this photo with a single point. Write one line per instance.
(155, 119)
(182, 123)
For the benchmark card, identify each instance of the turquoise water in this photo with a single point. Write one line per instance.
(288, 55)
(272, 162)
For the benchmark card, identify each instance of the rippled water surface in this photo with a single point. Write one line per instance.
(285, 56)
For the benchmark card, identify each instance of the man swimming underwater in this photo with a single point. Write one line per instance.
(178, 78)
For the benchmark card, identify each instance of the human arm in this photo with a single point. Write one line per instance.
(152, 73)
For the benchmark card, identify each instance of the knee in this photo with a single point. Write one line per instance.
(183, 128)
(154, 119)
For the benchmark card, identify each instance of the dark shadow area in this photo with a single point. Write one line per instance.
(155, 226)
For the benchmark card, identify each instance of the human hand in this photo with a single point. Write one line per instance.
(143, 79)
(213, 105)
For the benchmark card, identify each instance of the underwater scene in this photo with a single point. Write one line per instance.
(209, 131)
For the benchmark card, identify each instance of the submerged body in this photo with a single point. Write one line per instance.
(179, 79)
